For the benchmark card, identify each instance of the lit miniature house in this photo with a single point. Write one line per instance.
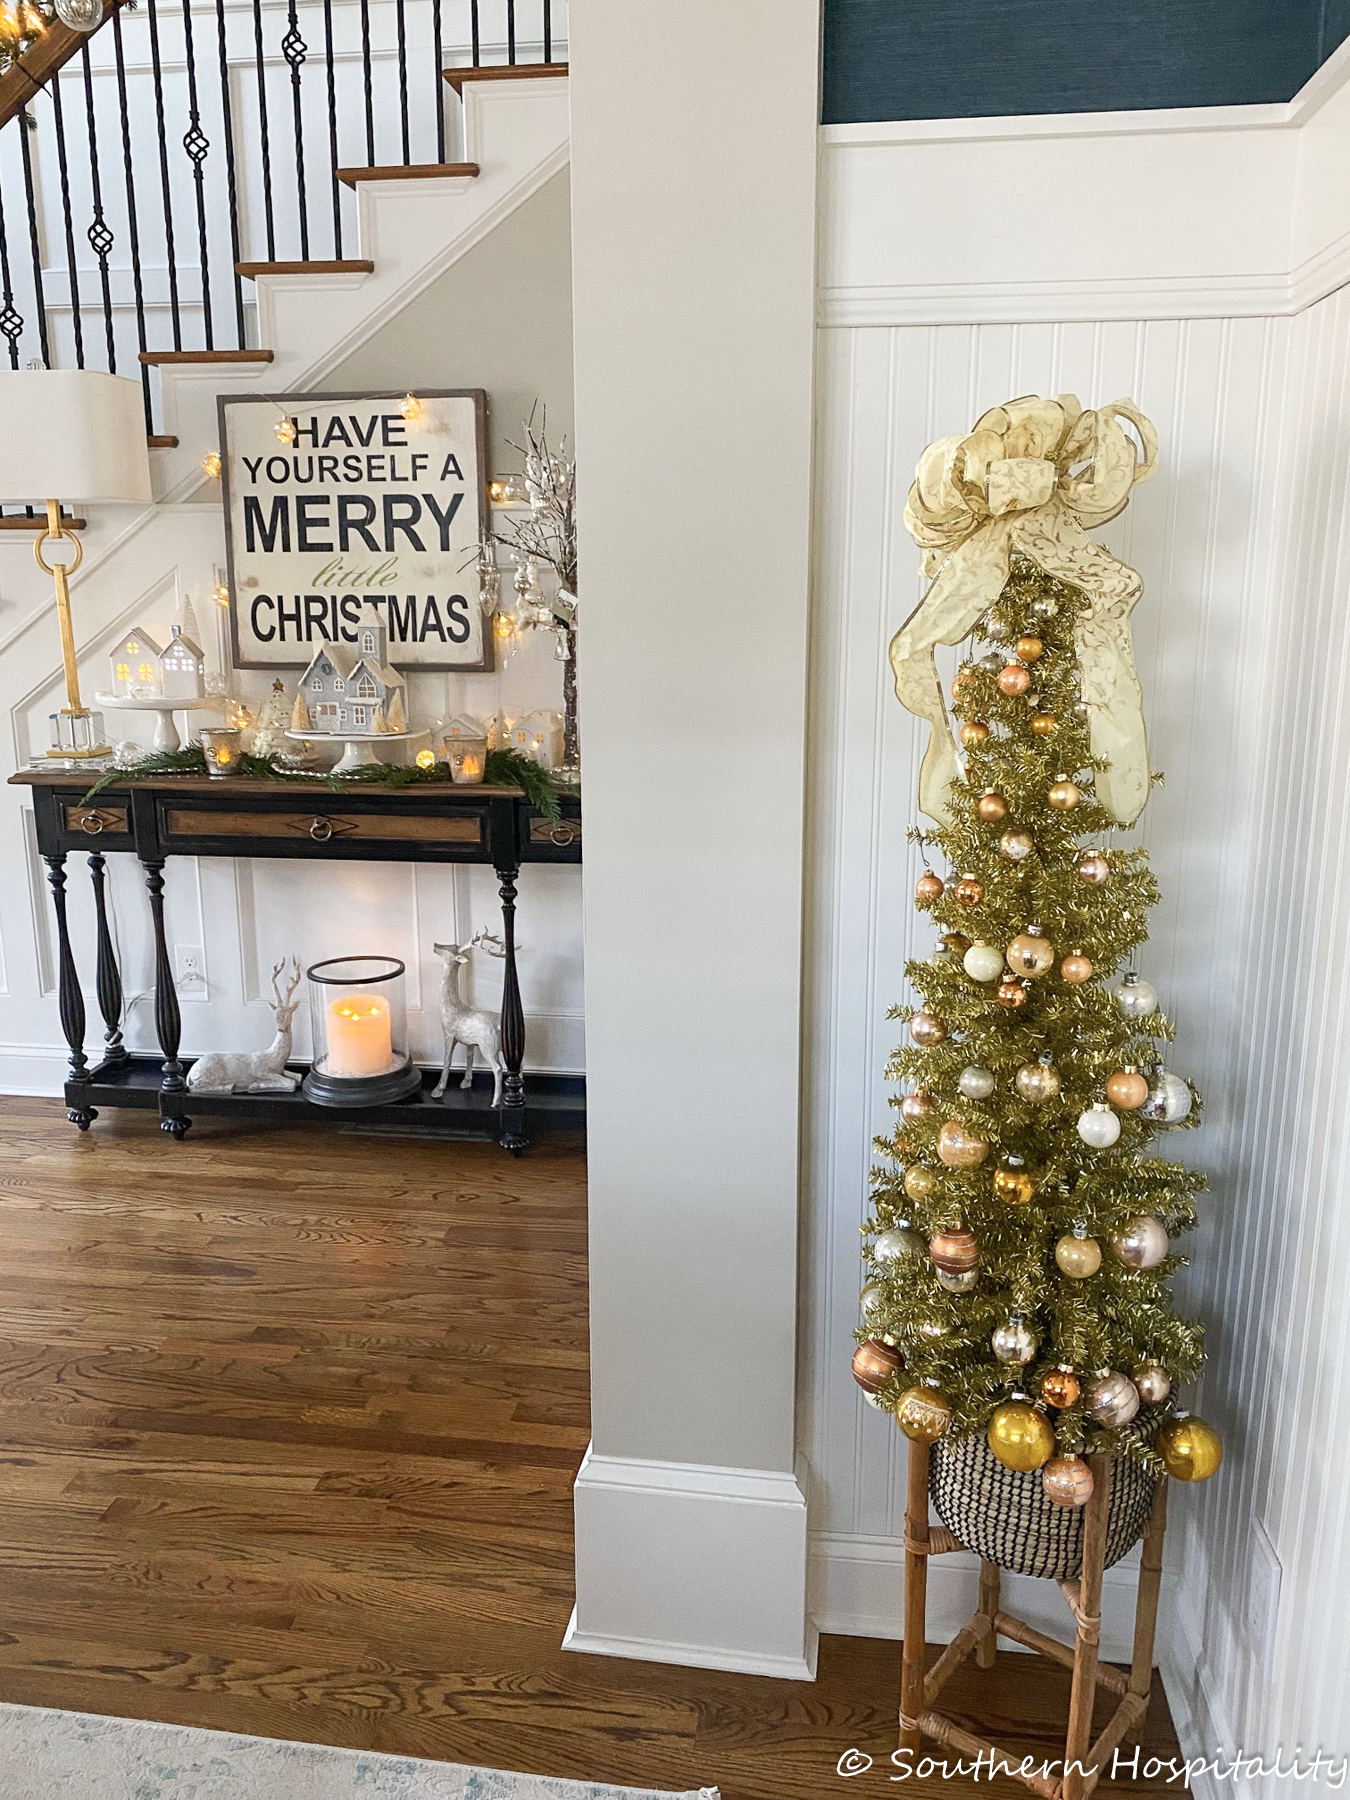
(181, 668)
(134, 664)
(350, 689)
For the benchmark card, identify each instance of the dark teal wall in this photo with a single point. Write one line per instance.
(940, 59)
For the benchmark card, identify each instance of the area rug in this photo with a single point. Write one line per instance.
(50, 1755)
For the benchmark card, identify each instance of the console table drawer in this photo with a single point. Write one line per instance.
(97, 820)
(314, 826)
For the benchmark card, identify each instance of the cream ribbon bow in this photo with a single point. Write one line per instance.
(1031, 476)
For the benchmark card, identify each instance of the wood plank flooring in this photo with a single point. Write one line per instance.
(288, 1426)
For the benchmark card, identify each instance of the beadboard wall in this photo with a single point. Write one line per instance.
(1239, 642)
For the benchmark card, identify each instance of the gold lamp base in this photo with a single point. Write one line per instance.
(76, 727)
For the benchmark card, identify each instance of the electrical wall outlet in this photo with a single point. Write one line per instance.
(189, 971)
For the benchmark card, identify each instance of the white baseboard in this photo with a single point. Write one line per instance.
(34, 1069)
(1202, 1723)
(691, 1564)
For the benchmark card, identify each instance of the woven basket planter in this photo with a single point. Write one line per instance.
(1005, 1517)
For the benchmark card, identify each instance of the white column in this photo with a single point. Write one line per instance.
(693, 187)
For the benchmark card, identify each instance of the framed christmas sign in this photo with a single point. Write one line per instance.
(343, 506)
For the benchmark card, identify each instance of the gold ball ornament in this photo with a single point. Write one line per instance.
(1141, 1242)
(991, 807)
(916, 1106)
(1067, 1481)
(923, 1413)
(1037, 1082)
(1126, 1089)
(927, 1029)
(957, 942)
(957, 1281)
(1014, 680)
(874, 1363)
(1014, 1183)
(1044, 724)
(1011, 994)
(920, 1183)
(1190, 1449)
(1094, 868)
(928, 888)
(1021, 1436)
(1078, 1257)
(1076, 968)
(1030, 953)
(1153, 1382)
(1016, 845)
(955, 1250)
(1029, 649)
(969, 890)
(959, 1147)
(974, 732)
(1060, 1389)
(1063, 795)
(1112, 1398)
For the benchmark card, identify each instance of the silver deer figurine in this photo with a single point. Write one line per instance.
(467, 1025)
(255, 1071)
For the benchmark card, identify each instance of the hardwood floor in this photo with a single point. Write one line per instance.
(288, 1426)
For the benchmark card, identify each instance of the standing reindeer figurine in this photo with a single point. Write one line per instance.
(256, 1071)
(465, 1024)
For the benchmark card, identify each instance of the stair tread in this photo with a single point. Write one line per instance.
(157, 358)
(349, 266)
(405, 172)
(162, 443)
(502, 72)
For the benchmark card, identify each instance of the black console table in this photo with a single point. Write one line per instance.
(165, 816)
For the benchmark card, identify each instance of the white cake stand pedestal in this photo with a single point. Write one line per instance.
(360, 747)
(166, 736)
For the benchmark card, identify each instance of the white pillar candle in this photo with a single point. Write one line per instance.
(360, 1040)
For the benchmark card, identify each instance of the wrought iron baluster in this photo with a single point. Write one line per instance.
(171, 258)
(259, 64)
(365, 76)
(510, 31)
(67, 221)
(548, 31)
(196, 143)
(294, 48)
(332, 126)
(133, 229)
(227, 125)
(438, 65)
(11, 320)
(401, 26)
(473, 30)
(100, 237)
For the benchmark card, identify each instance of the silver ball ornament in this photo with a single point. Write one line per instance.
(900, 1241)
(1014, 1342)
(1141, 1243)
(1169, 1100)
(872, 1300)
(1153, 1383)
(957, 1281)
(1135, 999)
(1099, 1126)
(982, 962)
(974, 1082)
(1112, 1398)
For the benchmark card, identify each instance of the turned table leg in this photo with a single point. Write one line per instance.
(78, 1109)
(109, 975)
(512, 1136)
(168, 1019)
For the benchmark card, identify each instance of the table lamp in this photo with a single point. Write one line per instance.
(78, 435)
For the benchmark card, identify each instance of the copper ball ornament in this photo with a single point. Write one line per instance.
(991, 807)
(916, 1106)
(1078, 1257)
(1127, 1089)
(1014, 1342)
(974, 732)
(969, 890)
(1029, 648)
(982, 962)
(928, 888)
(1190, 1449)
(1135, 999)
(1060, 1389)
(955, 1250)
(1030, 953)
(1094, 868)
(923, 1413)
(1021, 1436)
(1112, 1398)
(1016, 845)
(1141, 1242)
(1063, 794)
(920, 1183)
(1067, 1481)
(897, 1243)
(1014, 1183)
(976, 1082)
(959, 1147)
(1044, 724)
(1076, 968)
(1099, 1127)
(1014, 680)
(1037, 1082)
(963, 678)
(1153, 1382)
(1011, 994)
(957, 1282)
(927, 1029)
(874, 1363)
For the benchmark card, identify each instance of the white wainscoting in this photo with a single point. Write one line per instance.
(929, 315)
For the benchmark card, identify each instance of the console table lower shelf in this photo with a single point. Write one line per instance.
(554, 1103)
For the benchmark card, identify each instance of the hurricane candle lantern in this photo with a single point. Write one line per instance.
(360, 1032)
(221, 746)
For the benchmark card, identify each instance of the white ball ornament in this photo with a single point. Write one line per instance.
(982, 962)
(1169, 1100)
(1135, 999)
(1099, 1126)
(975, 1082)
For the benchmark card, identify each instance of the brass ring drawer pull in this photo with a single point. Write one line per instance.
(321, 830)
(91, 823)
(562, 835)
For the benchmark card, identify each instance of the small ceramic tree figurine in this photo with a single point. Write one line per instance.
(268, 736)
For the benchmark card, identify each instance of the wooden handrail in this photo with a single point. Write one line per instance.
(41, 60)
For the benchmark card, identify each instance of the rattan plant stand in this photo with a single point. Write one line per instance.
(919, 1688)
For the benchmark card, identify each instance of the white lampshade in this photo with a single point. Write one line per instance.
(75, 435)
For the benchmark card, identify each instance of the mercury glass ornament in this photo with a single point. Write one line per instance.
(1075, 968)
(1030, 953)
(900, 1241)
(1099, 1126)
(1044, 608)
(923, 1413)
(916, 1106)
(927, 1029)
(1014, 1183)
(969, 890)
(1135, 999)
(1094, 868)
(1013, 1342)
(1153, 1382)
(1059, 1388)
(920, 1183)
(1029, 648)
(1078, 1255)
(1112, 1398)
(1127, 1089)
(1190, 1449)
(1014, 680)
(1067, 1481)
(932, 1329)
(991, 807)
(1021, 1436)
(992, 663)
(957, 1282)
(1016, 845)
(1038, 1082)
(1011, 994)
(874, 1363)
(959, 1147)
(955, 1250)
(1063, 794)
(956, 941)
(872, 1301)
(1044, 724)
(974, 732)
(975, 1082)
(928, 888)
(1169, 1100)
(1141, 1242)
(982, 962)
